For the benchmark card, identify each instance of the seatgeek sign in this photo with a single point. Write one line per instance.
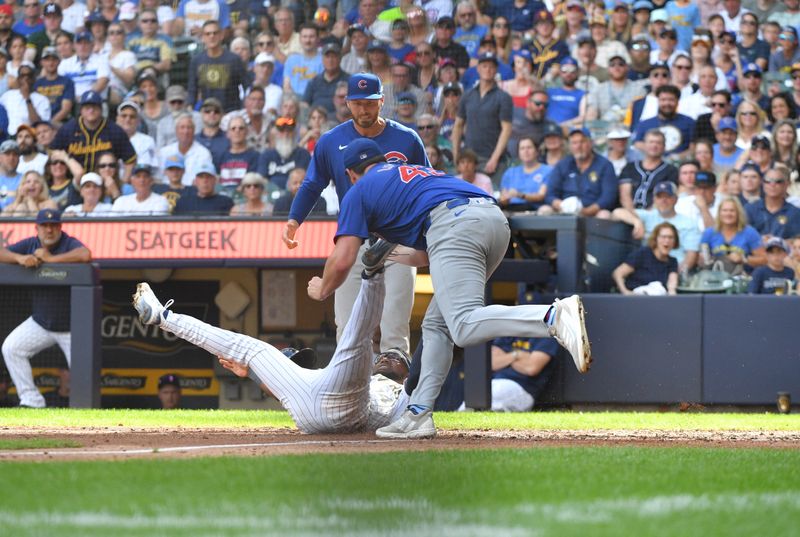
(205, 239)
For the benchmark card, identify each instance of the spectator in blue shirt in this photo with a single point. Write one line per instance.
(520, 13)
(204, 201)
(677, 128)
(651, 270)
(585, 180)
(468, 33)
(523, 187)
(773, 216)
(731, 240)
(774, 278)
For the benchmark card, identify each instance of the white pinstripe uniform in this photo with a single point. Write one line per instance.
(342, 397)
(23, 343)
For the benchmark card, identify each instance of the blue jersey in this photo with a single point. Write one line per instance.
(393, 200)
(596, 184)
(784, 223)
(399, 143)
(767, 281)
(564, 104)
(527, 183)
(745, 242)
(678, 131)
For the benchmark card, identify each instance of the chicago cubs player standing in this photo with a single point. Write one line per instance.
(342, 397)
(399, 144)
(466, 236)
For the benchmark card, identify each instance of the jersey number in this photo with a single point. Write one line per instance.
(407, 173)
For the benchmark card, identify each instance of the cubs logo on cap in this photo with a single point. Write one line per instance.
(364, 86)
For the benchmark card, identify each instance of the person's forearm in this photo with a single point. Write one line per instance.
(339, 263)
(7, 256)
(690, 259)
(100, 85)
(163, 66)
(502, 142)
(502, 359)
(64, 113)
(591, 210)
(672, 283)
(458, 132)
(78, 255)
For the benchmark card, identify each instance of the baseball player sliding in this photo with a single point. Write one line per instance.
(399, 144)
(466, 236)
(343, 397)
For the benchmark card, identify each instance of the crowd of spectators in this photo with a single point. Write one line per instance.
(212, 107)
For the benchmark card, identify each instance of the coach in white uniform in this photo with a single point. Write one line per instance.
(49, 323)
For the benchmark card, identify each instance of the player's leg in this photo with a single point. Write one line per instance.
(22, 344)
(64, 341)
(395, 328)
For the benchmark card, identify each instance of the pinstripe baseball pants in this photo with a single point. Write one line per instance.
(333, 399)
(22, 344)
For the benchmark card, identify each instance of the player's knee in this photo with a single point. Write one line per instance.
(463, 336)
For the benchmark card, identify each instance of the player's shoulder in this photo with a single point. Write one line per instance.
(339, 135)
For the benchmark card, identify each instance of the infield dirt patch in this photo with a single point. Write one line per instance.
(125, 442)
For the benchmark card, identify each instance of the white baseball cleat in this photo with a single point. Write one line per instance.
(569, 330)
(148, 306)
(409, 426)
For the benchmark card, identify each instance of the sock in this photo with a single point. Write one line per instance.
(417, 409)
(550, 316)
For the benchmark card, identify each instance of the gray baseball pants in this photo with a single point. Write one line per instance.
(465, 245)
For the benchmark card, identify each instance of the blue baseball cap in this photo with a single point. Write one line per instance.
(665, 187)
(705, 179)
(174, 161)
(488, 57)
(84, 36)
(776, 242)
(643, 4)
(377, 44)
(726, 123)
(406, 97)
(751, 165)
(525, 53)
(91, 97)
(364, 86)
(569, 60)
(752, 68)
(48, 216)
(206, 168)
(579, 130)
(359, 151)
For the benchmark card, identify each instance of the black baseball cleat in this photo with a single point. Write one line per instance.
(375, 257)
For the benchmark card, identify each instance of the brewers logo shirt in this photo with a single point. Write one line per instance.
(216, 77)
(83, 144)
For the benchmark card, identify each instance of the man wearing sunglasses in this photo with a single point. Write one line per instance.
(152, 49)
(610, 101)
(277, 162)
(788, 53)
(773, 216)
(647, 107)
(750, 87)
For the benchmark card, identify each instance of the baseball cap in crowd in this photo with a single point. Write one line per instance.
(619, 56)
(376, 44)
(48, 216)
(580, 130)
(488, 57)
(206, 168)
(726, 123)
(750, 165)
(400, 23)
(789, 33)
(552, 129)
(776, 242)
(665, 187)
(142, 168)
(705, 179)
(127, 11)
(52, 9)
(659, 15)
(8, 146)
(50, 52)
(761, 141)
(751, 67)
(659, 65)
(452, 87)
(93, 17)
(263, 57)
(585, 37)
(91, 97)
(446, 62)
(168, 380)
(358, 151)
(641, 38)
(618, 134)
(701, 39)
(622, 5)
(146, 75)
(643, 4)
(406, 97)
(331, 47)
(668, 32)
(175, 93)
(575, 4)
(357, 28)
(8, 9)
(212, 102)
(568, 61)
(91, 177)
(446, 22)
(84, 36)
(174, 161)
(129, 104)
(543, 16)
(364, 86)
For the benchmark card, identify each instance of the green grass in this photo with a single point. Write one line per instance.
(581, 491)
(37, 443)
(252, 419)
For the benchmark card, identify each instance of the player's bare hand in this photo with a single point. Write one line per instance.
(288, 234)
(240, 370)
(315, 288)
